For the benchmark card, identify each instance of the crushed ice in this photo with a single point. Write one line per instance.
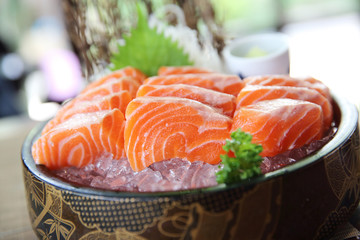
(171, 175)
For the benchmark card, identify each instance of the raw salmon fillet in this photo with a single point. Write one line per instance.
(161, 128)
(286, 80)
(280, 124)
(230, 84)
(81, 139)
(173, 70)
(222, 101)
(318, 86)
(122, 88)
(118, 100)
(255, 93)
(112, 85)
(129, 72)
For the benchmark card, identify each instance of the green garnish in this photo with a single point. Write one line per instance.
(245, 164)
(256, 52)
(147, 50)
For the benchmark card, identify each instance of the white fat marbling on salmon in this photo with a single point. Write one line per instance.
(127, 72)
(208, 113)
(292, 114)
(161, 128)
(230, 84)
(79, 120)
(286, 80)
(304, 130)
(280, 124)
(93, 101)
(280, 80)
(113, 86)
(255, 93)
(80, 160)
(79, 140)
(224, 102)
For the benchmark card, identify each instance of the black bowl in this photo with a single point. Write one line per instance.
(306, 200)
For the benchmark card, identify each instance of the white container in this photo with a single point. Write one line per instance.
(275, 61)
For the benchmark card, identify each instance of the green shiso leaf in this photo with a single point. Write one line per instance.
(245, 164)
(147, 50)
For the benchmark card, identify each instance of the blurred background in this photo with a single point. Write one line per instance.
(40, 63)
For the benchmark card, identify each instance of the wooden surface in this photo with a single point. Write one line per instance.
(14, 219)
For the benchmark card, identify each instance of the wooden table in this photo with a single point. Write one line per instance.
(14, 219)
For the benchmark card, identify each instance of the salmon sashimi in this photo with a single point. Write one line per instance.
(108, 89)
(130, 72)
(286, 80)
(81, 139)
(119, 87)
(230, 84)
(118, 100)
(161, 128)
(222, 101)
(318, 86)
(255, 93)
(280, 124)
(174, 70)
(114, 85)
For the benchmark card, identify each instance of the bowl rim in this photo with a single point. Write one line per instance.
(348, 124)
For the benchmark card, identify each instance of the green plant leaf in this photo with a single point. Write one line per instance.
(245, 164)
(147, 50)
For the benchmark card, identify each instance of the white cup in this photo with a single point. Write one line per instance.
(273, 60)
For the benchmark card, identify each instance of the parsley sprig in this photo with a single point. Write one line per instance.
(245, 164)
(146, 49)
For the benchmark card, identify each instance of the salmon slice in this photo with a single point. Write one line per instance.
(129, 72)
(174, 70)
(222, 101)
(81, 139)
(161, 128)
(318, 86)
(255, 93)
(108, 89)
(286, 80)
(118, 100)
(230, 84)
(113, 85)
(280, 124)
(103, 98)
